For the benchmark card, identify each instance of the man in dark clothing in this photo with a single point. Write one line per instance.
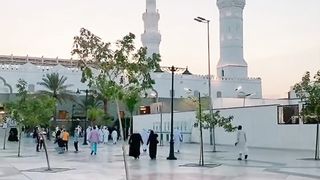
(58, 133)
(135, 141)
(152, 142)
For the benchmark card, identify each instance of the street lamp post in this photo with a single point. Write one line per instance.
(86, 115)
(171, 153)
(159, 109)
(212, 134)
(172, 69)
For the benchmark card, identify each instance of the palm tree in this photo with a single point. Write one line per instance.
(55, 87)
(93, 108)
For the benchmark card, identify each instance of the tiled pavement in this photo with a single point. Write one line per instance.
(263, 164)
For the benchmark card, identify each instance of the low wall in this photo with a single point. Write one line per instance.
(260, 123)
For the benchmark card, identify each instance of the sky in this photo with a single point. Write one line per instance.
(281, 38)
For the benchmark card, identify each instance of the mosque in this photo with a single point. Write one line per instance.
(233, 92)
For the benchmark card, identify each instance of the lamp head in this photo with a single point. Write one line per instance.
(238, 88)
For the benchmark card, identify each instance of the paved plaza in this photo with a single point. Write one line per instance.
(263, 164)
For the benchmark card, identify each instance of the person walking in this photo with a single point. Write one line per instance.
(76, 139)
(135, 141)
(241, 143)
(177, 137)
(105, 134)
(65, 138)
(94, 140)
(36, 137)
(114, 135)
(152, 142)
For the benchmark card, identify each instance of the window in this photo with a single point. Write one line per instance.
(288, 114)
(219, 94)
(31, 87)
(144, 109)
(222, 73)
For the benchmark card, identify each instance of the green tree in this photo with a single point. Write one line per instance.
(30, 110)
(131, 99)
(308, 90)
(56, 87)
(205, 120)
(118, 69)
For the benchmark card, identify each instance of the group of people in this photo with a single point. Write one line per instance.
(104, 134)
(146, 138)
(62, 137)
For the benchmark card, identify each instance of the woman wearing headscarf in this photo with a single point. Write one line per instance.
(135, 141)
(152, 142)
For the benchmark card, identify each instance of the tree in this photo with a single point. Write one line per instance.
(131, 99)
(57, 88)
(117, 70)
(30, 110)
(308, 90)
(205, 120)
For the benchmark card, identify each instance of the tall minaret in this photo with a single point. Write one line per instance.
(231, 63)
(151, 37)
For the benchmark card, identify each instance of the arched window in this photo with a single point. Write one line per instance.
(31, 87)
(219, 94)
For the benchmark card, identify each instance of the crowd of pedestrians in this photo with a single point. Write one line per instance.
(148, 139)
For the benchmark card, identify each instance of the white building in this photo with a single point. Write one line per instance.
(258, 115)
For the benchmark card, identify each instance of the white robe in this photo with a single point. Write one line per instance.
(114, 135)
(241, 143)
(101, 135)
(105, 135)
(177, 139)
(145, 136)
(88, 130)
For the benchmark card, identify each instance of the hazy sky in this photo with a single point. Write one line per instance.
(281, 37)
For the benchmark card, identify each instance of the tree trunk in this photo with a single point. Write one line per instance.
(214, 139)
(105, 106)
(19, 143)
(316, 157)
(201, 160)
(123, 142)
(46, 151)
(131, 123)
(5, 138)
(211, 136)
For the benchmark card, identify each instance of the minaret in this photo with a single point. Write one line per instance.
(231, 63)
(151, 37)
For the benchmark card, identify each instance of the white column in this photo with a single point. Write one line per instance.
(231, 63)
(151, 37)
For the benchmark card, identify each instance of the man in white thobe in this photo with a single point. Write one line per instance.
(114, 135)
(177, 139)
(88, 130)
(241, 143)
(145, 136)
(105, 134)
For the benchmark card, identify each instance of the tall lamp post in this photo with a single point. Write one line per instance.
(86, 113)
(159, 109)
(203, 20)
(172, 69)
(171, 153)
